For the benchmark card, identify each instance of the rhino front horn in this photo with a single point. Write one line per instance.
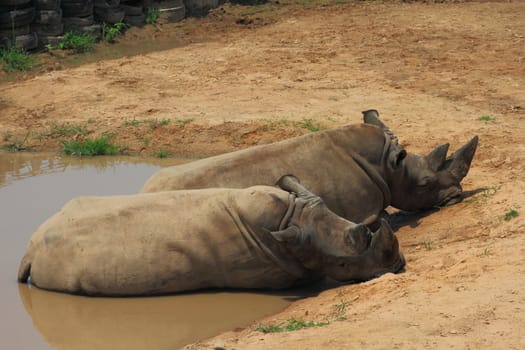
(459, 161)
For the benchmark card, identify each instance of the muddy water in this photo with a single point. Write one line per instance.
(33, 187)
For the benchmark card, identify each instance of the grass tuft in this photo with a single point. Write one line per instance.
(511, 214)
(291, 325)
(89, 147)
(16, 59)
(153, 15)
(78, 42)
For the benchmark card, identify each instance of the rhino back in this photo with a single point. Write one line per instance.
(322, 161)
(160, 243)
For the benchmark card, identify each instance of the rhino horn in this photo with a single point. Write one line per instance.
(371, 117)
(437, 157)
(459, 162)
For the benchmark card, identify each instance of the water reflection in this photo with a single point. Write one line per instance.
(16, 166)
(74, 322)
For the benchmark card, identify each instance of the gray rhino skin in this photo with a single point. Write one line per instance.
(167, 242)
(358, 170)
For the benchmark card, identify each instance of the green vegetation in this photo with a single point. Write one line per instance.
(427, 244)
(270, 124)
(155, 123)
(340, 310)
(161, 153)
(133, 122)
(15, 144)
(487, 193)
(510, 215)
(183, 121)
(310, 124)
(78, 42)
(89, 147)
(486, 118)
(153, 15)
(16, 59)
(290, 326)
(67, 130)
(110, 32)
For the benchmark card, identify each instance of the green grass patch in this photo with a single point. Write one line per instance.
(67, 129)
(511, 214)
(78, 42)
(310, 125)
(152, 15)
(89, 147)
(156, 123)
(486, 118)
(110, 32)
(161, 153)
(133, 122)
(290, 326)
(16, 59)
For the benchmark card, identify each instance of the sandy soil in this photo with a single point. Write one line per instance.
(247, 76)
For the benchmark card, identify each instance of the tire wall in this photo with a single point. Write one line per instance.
(32, 24)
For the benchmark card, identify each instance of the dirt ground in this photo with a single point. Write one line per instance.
(251, 75)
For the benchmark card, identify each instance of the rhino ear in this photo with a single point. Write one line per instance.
(371, 117)
(289, 234)
(437, 157)
(396, 158)
(358, 237)
(459, 162)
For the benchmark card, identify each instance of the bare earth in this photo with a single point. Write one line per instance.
(432, 70)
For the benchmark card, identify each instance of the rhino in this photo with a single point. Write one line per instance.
(358, 170)
(176, 241)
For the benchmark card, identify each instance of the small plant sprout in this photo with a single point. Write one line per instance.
(511, 214)
(340, 310)
(152, 15)
(486, 118)
(310, 125)
(181, 122)
(427, 244)
(162, 153)
(110, 32)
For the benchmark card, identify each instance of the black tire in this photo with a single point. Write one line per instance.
(48, 17)
(48, 29)
(11, 33)
(14, 2)
(27, 41)
(133, 10)
(110, 16)
(76, 23)
(46, 4)
(52, 40)
(171, 15)
(17, 18)
(77, 9)
(106, 4)
(137, 21)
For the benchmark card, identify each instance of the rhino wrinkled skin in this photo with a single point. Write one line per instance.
(175, 241)
(358, 170)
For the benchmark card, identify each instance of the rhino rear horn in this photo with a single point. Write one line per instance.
(437, 157)
(371, 117)
(459, 162)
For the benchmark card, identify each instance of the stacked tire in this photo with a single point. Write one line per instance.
(134, 12)
(48, 21)
(109, 11)
(78, 17)
(15, 29)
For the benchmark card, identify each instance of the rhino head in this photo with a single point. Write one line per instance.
(423, 182)
(325, 242)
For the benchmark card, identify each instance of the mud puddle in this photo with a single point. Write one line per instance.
(35, 186)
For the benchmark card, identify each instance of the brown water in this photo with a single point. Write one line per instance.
(35, 186)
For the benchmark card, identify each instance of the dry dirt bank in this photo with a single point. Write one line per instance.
(432, 69)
